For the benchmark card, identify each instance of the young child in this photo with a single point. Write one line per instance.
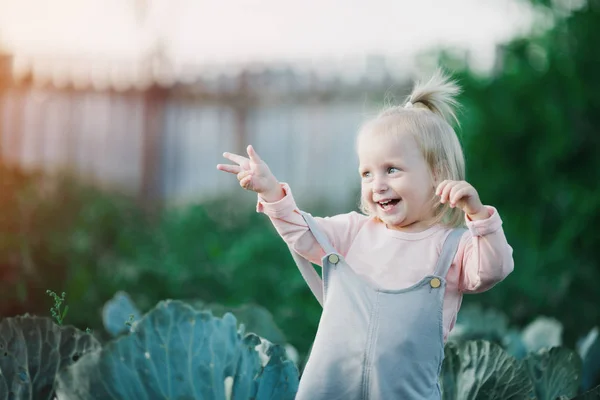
(393, 276)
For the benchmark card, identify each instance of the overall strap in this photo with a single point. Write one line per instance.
(317, 233)
(310, 275)
(448, 251)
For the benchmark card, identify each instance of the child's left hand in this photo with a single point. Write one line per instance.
(464, 196)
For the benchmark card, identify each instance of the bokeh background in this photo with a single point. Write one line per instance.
(114, 114)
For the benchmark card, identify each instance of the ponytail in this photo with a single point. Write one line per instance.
(437, 95)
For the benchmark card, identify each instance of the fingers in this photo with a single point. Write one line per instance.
(233, 169)
(253, 155)
(246, 181)
(443, 190)
(241, 175)
(245, 169)
(440, 187)
(453, 191)
(240, 160)
(459, 192)
(244, 176)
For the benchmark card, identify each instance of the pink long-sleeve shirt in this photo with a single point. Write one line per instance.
(392, 259)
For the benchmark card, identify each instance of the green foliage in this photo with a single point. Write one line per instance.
(530, 133)
(554, 372)
(57, 314)
(92, 244)
(593, 394)
(58, 233)
(175, 351)
(486, 358)
(255, 319)
(589, 349)
(479, 369)
(538, 348)
(32, 350)
(115, 311)
(129, 322)
(178, 351)
(482, 370)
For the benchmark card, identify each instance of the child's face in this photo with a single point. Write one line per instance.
(396, 183)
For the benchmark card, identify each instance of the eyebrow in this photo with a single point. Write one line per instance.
(395, 163)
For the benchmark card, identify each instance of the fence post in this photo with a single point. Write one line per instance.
(241, 102)
(155, 100)
(5, 79)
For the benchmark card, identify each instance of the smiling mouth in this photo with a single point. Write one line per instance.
(388, 204)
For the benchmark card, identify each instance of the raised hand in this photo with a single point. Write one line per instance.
(462, 195)
(252, 173)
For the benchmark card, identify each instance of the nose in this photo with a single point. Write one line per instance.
(379, 185)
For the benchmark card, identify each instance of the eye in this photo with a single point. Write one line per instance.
(365, 174)
(391, 170)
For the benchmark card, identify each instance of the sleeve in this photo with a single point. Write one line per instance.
(291, 226)
(486, 257)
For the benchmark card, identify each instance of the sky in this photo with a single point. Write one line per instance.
(240, 31)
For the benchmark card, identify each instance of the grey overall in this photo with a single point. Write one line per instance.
(373, 343)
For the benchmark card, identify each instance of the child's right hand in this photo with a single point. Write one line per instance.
(253, 174)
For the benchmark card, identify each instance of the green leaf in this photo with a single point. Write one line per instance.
(279, 378)
(543, 332)
(481, 370)
(178, 352)
(593, 394)
(64, 314)
(256, 319)
(32, 351)
(476, 323)
(555, 372)
(451, 370)
(512, 342)
(589, 351)
(117, 311)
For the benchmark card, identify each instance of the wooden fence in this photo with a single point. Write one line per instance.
(163, 143)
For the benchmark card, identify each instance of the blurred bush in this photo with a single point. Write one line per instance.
(62, 235)
(532, 140)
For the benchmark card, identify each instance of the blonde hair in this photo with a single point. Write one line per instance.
(427, 114)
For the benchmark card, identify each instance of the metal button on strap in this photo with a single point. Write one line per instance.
(333, 258)
(435, 283)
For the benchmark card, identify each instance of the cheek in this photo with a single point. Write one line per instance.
(420, 187)
(365, 191)
(366, 196)
(404, 187)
